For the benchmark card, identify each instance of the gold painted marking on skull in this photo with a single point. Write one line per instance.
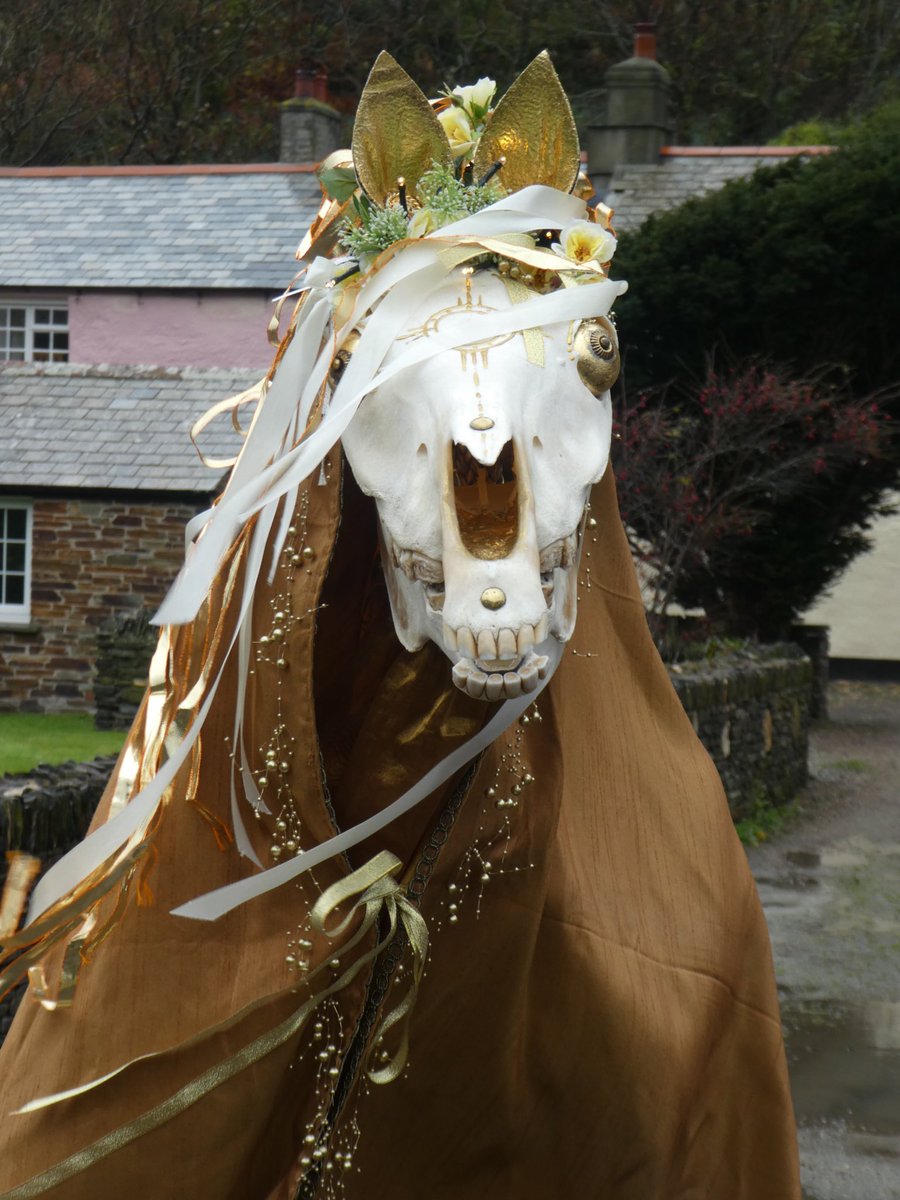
(481, 424)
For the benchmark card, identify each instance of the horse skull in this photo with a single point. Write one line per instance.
(480, 461)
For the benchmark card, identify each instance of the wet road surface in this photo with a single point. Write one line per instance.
(830, 886)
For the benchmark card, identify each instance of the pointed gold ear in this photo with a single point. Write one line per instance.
(395, 132)
(533, 128)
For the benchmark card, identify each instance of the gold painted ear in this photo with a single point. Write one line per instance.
(533, 128)
(396, 132)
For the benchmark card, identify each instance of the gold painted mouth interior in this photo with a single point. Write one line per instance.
(487, 502)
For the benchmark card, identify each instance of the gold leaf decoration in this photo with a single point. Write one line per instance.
(533, 128)
(395, 132)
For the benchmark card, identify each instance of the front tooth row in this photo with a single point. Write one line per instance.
(495, 686)
(507, 644)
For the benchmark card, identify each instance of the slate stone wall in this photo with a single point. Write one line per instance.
(751, 710)
(125, 645)
(46, 813)
(92, 559)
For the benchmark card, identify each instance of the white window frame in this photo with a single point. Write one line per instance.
(17, 614)
(32, 326)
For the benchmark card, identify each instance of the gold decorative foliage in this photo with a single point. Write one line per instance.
(533, 128)
(395, 132)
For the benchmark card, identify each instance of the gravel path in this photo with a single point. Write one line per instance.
(830, 885)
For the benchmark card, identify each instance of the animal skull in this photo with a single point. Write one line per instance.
(480, 461)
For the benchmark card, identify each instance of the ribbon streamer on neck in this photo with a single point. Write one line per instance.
(374, 891)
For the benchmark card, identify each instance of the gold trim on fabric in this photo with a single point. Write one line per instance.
(374, 891)
(21, 872)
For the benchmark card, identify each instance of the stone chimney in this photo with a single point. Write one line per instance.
(310, 127)
(636, 123)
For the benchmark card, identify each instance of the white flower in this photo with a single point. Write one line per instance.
(458, 130)
(476, 98)
(583, 242)
(423, 221)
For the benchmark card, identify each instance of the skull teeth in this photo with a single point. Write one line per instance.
(497, 685)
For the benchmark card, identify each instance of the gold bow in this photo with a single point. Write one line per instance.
(376, 891)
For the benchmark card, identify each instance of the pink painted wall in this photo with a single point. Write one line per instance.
(170, 329)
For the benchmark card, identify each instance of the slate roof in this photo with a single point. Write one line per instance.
(113, 427)
(154, 227)
(683, 172)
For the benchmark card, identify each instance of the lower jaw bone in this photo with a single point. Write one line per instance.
(480, 685)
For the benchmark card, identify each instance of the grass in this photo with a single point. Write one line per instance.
(856, 765)
(764, 821)
(28, 739)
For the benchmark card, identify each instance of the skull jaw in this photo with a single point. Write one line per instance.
(496, 653)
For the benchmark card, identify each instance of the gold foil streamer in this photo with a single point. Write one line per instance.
(374, 891)
(21, 872)
(395, 132)
(533, 128)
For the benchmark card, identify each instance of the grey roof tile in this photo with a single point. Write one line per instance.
(159, 230)
(637, 191)
(55, 440)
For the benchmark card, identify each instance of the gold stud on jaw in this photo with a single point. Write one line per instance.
(481, 424)
(493, 598)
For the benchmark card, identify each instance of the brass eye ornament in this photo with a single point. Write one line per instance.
(340, 360)
(597, 355)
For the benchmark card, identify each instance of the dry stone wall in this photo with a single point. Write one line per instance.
(751, 710)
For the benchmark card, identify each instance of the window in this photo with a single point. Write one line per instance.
(33, 332)
(15, 561)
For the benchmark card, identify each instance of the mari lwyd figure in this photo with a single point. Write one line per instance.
(406, 884)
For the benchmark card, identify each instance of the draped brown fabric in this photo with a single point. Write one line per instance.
(598, 1017)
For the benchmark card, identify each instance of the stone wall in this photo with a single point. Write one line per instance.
(751, 710)
(125, 645)
(46, 813)
(92, 559)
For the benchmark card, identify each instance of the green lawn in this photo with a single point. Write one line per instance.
(27, 739)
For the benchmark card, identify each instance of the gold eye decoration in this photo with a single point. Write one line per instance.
(597, 354)
(340, 360)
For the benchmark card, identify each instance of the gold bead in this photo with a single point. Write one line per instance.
(296, 560)
(264, 640)
(333, 1071)
(305, 1161)
(491, 793)
(528, 279)
(485, 878)
(453, 918)
(514, 272)
(310, 1139)
(279, 616)
(335, 964)
(307, 945)
(454, 907)
(290, 960)
(284, 767)
(276, 852)
(277, 633)
(517, 789)
(292, 529)
(526, 720)
(281, 664)
(452, 888)
(281, 825)
(528, 778)
(308, 553)
(592, 522)
(290, 846)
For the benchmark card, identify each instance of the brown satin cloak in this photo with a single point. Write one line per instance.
(607, 1024)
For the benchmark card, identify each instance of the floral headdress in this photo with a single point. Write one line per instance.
(417, 166)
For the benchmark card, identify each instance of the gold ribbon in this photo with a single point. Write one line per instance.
(22, 870)
(374, 891)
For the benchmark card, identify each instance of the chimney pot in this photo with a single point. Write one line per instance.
(320, 86)
(305, 84)
(645, 40)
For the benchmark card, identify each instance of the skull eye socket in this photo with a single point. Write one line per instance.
(340, 360)
(597, 355)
